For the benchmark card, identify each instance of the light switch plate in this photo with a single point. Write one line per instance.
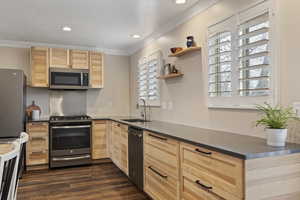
(296, 106)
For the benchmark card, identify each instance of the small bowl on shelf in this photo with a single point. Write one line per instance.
(176, 49)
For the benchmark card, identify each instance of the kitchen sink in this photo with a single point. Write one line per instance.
(135, 120)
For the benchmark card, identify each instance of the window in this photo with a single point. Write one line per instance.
(148, 83)
(240, 62)
(220, 57)
(254, 57)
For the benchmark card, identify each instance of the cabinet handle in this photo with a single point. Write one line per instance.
(158, 173)
(203, 186)
(203, 152)
(157, 137)
(118, 125)
(38, 138)
(38, 152)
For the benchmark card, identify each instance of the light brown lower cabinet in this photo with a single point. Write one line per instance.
(37, 147)
(120, 146)
(124, 148)
(109, 138)
(207, 174)
(161, 167)
(99, 141)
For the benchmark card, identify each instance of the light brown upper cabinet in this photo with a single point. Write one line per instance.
(96, 70)
(79, 59)
(39, 66)
(59, 58)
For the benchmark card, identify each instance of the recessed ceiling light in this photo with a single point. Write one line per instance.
(180, 1)
(67, 28)
(135, 36)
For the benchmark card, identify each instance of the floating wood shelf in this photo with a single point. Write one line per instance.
(185, 51)
(173, 75)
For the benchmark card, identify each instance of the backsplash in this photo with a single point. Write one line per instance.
(41, 97)
(67, 102)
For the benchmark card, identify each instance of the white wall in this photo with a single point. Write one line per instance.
(112, 100)
(188, 94)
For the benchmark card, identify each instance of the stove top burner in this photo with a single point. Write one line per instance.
(70, 118)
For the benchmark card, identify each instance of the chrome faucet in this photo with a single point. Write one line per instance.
(144, 115)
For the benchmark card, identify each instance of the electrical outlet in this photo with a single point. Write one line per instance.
(296, 107)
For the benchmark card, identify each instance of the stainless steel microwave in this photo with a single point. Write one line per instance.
(72, 79)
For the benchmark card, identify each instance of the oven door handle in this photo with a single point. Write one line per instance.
(68, 127)
(71, 158)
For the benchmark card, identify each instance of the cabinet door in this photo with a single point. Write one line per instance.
(109, 138)
(37, 147)
(161, 167)
(59, 58)
(79, 59)
(96, 70)
(39, 66)
(116, 135)
(99, 140)
(124, 149)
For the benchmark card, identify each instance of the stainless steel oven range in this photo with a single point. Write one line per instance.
(70, 141)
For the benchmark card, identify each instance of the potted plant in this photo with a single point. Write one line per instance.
(275, 120)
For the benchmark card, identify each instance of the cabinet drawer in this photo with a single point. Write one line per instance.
(164, 160)
(193, 190)
(37, 127)
(221, 172)
(158, 184)
(161, 142)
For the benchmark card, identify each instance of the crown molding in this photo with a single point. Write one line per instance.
(22, 44)
(181, 19)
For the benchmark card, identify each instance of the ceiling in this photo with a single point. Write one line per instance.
(105, 24)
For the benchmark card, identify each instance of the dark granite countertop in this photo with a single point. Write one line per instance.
(241, 146)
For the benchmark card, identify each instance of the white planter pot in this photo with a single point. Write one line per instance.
(276, 137)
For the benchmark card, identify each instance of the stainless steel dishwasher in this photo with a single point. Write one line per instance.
(136, 156)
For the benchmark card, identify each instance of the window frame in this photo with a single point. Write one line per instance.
(146, 60)
(248, 102)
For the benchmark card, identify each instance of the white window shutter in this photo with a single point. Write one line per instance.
(249, 72)
(148, 82)
(254, 57)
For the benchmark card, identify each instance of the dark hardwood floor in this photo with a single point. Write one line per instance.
(97, 182)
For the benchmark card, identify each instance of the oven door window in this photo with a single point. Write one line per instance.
(70, 138)
(64, 78)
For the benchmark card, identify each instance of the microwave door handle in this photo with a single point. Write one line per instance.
(81, 79)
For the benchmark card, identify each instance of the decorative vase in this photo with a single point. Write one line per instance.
(30, 109)
(167, 69)
(190, 42)
(276, 137)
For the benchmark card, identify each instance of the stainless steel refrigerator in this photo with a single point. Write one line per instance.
(12, 102)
